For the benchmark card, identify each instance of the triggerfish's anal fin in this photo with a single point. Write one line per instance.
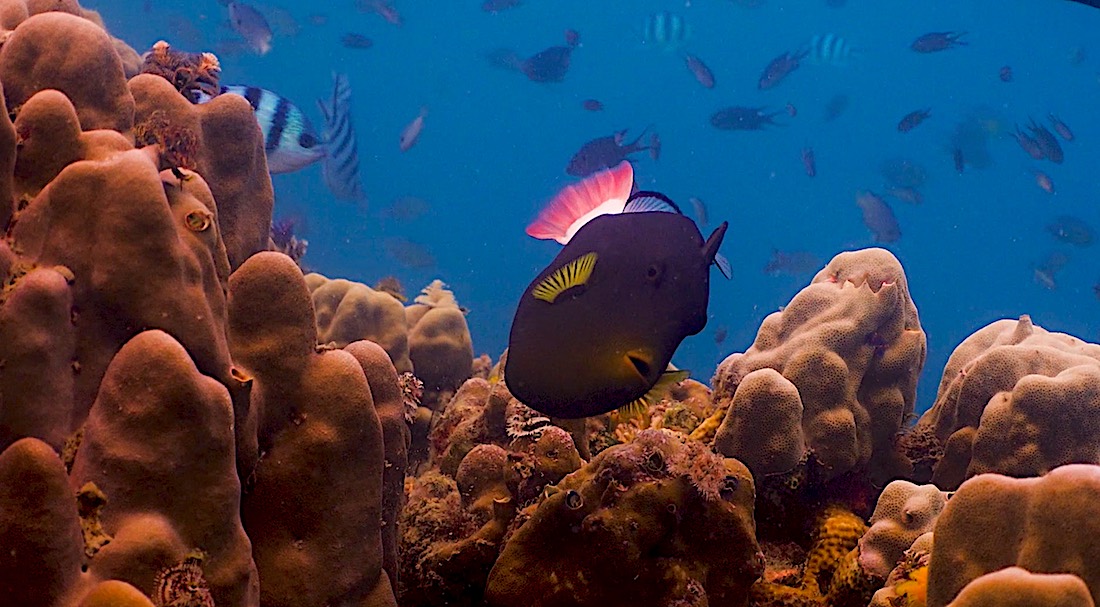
(711, 254)
(572, 274)
(650, 202)
(637, 407)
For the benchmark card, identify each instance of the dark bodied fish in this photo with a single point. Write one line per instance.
(907, 195)
(1047, 142)
(779, 68)
(592, 105)
(548, 65)
(934, 42)
(878, 217)
(1028, 144)
(1005, 74)
(605, 152)
(739, 118)
(495, 6)
(702, 73)
(1060, 127)
(357, 41)
(913, 119)
(1072, 230)
(809, 164)
(290, 142)
(793, 263)
(596, 330)
(835, 107)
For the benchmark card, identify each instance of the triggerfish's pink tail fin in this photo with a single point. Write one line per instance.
(601, 193)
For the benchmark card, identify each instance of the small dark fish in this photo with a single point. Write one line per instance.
(572, 38)
(405, 209)
(1006, 73)
(793, 263)
(907, 195)
(1060, 127)
(1096, 290)
(317, 19)
(1047, 142)
(495, 6)
(700, 70)
(548, 65)
(835, 107)
(792, 111)
(251, 25)
(720, 334)
(606, 152)
(808, 163)
(592, 105)
(933, 42)
(611, 310)
(779, 68)
(959, 159)
(1044, 182)
(1072, 230)
(904, 172)
(739, 118)
(878, 217)
(358, 41)
(913, 119)
(1046, 272)
(1028, 144)
(654, 146)
(408, 253)
(700, 209)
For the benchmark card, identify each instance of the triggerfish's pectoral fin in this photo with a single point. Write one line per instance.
(711, 254)
(601, 193)
(572, 274)
(340, 165)
(637, 407)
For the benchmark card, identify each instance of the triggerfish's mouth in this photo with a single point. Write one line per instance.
(641, 365)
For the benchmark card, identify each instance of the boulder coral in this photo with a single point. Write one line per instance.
(1016, 399)
(349, 311)
(1016, 587)
(659, 521)
(904, 512)
(440, 347)
(1043, 525)
(845, 354)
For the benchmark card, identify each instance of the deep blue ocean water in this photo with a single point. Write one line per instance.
(495, 144)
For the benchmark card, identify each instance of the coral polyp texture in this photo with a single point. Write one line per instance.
(1016, 399)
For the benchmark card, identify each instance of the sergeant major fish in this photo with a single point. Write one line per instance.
(596, 330)
(291, 143)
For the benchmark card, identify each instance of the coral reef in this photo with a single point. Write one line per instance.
(1018, 400)
(660, 521)
(1016, 587)
(846, 353)
(439, 343)
(348, 311)
(904, 512)
(1044, 525)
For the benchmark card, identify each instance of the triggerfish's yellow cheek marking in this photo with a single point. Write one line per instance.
(572, 274)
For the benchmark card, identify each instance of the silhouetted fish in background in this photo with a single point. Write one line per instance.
(596, 330)
(383, 8)
(251, 25)
(1060, 127)
(830, 49)
(700, 70)
(1071, 230)
(793, 263)
(666, 30)
(1047, 142)
(934, 42)
(356, 41)
(606, 152)
(913, 119)
(495, 6)
(835, 107)
(548, 65)
(809, 163)
(290, 142)
(878, 217)
(779, 68)
(740, 118)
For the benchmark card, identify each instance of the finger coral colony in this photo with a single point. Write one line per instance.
(188, 419)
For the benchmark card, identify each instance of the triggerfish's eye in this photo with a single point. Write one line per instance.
(197, 221)
(653, 273)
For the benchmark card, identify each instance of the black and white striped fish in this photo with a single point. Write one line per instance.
(830, 49)
(666, 30)
(291, 143)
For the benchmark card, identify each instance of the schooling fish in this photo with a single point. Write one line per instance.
(291, 143)
(251, 25)
(411, 133)
(604, 152)
(700, 70)
(596, 330)
(913, 119)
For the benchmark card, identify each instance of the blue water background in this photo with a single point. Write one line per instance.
(495, 145)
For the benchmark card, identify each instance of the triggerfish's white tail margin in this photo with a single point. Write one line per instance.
(340, 165)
